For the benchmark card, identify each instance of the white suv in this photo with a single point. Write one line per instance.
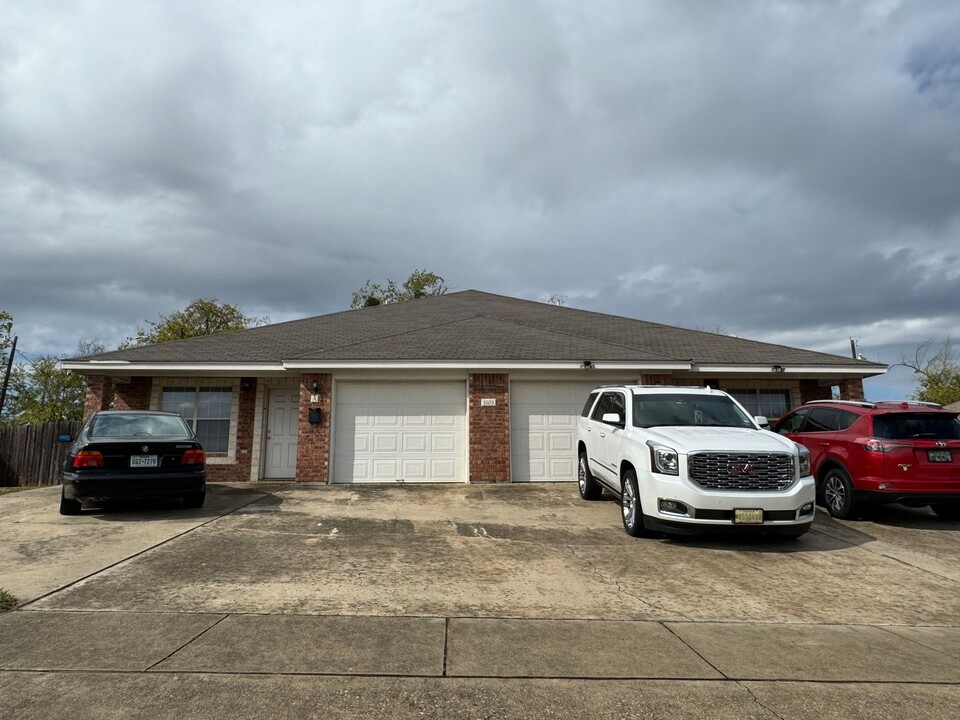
(689, 460)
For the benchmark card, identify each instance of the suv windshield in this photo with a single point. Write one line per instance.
(903, 426)
(688, 409)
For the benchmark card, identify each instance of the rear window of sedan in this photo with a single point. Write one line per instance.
(120, 425)
(905, 426)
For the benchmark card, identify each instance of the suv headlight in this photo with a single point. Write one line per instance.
(804, 461)
(664, 459)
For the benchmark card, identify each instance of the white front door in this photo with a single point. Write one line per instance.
(543, 429)
(283, 413)
(400, 432)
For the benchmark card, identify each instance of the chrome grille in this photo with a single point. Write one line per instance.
(741, 471)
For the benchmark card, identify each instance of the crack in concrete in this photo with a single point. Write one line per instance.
(758, 701)
(621, 589)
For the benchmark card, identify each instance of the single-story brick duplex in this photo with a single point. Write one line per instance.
(467, 386)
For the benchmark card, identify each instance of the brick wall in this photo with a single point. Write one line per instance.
(133, 395)
(489, 428)
(99, 391)
(851, 389)
(313, 441)
(812, 390)
(240, 470)
(656, 379)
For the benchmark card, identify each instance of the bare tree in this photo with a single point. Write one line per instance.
(935, 370)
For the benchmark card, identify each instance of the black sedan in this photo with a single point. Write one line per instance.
(126, 454)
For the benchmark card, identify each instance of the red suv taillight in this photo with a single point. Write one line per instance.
(193, 457)
(88, 459)
(872, 444)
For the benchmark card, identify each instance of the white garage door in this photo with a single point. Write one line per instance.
(400, 432)
(543, 428)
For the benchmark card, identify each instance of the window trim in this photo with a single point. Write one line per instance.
(156, 396)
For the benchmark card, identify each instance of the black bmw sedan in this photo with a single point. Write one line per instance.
(126, 454)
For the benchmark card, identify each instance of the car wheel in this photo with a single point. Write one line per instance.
(838, 493)
(631, 510)
(947, 511)
(194, 500)
(69, 507)
(589, 487)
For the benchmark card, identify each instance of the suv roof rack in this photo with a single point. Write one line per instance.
(921, 403)
(858, 403)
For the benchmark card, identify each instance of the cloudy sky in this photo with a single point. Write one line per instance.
(785, 171)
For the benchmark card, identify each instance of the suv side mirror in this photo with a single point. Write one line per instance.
(612, 419)
(65, 438)
(762, 422)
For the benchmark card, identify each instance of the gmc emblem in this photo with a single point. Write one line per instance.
(746, 469)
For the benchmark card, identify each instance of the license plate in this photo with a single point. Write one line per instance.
(143, 461)
(939, 456)
(748, 516)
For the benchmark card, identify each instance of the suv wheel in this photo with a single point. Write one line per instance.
(947, 511)
(589, 487)
(631, 511)
(838, 493)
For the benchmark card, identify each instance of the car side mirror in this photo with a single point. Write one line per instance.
(65, 438)
(612, 418)
(762, 422)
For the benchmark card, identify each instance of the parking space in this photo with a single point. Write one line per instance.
(456, 585)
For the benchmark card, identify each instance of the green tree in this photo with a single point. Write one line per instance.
(936, 372)
(421, 283)
(41, 391)
(201, 317)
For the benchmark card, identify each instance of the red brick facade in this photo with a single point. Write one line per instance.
(851, 389)
(133, 395)
(99, 391)
(656, 379)
(489, 428)
(813, 390)
(240, 470)
(313, 440)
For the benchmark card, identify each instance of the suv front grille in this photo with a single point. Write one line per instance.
(741, 471)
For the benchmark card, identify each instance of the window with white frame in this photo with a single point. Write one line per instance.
(771, 404)
(206, 410)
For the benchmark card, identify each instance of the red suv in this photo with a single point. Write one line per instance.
(863, 452)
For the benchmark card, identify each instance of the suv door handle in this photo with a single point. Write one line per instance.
(589, 429)
(603, 434)
(824, 444)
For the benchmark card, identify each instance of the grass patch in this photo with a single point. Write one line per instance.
(7, 601)
(5, 490)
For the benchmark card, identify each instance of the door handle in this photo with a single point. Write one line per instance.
(269, 436)
(824, 444)
(603, 434)
(589, 429)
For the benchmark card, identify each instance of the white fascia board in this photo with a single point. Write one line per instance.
(838, 370)
(476, 365)
(128, 368)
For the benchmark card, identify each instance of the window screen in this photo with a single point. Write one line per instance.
(206, 410)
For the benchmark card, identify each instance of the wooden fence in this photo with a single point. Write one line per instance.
(31, 455)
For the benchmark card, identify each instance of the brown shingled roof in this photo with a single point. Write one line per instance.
(474, 326)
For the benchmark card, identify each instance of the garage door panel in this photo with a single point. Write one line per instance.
(543, 424)
(400, 432)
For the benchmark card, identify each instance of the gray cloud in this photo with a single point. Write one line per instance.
(788, 171)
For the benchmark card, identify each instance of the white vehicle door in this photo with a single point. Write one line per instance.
(604, 442)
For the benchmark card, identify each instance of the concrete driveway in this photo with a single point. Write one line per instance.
(467, 601)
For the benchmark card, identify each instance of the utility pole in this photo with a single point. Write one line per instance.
(6, 375)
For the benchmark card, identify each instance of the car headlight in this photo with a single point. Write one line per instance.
(804, 461)
(663, 459)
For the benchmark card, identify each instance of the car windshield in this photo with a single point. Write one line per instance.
(904, 426)
(138, 425)
(687, 409)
